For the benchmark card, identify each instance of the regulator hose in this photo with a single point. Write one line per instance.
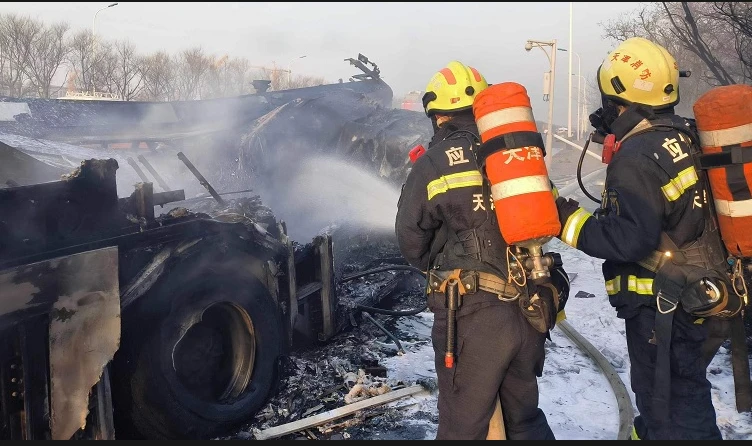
(579, 170)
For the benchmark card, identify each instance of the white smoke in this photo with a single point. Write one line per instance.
(327, 191)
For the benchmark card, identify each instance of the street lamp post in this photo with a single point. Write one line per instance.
(581, 106)
(289, 70)
(585, 114)
(551, 82)
(579, 74)
(94, 43)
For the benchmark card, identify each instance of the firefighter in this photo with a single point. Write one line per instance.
(652, 205)
(446, 225)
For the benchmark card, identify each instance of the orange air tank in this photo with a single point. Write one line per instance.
(724, 124)
(511, 156)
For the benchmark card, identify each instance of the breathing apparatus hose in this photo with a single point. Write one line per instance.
(579, 169)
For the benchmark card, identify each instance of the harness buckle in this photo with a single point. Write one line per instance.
(673, 304)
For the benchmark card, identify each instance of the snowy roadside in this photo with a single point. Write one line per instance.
(575, 395)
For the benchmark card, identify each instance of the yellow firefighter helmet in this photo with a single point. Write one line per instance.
(453, 88)
(640, 71)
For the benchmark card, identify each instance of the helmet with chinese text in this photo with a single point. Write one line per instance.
(640, 71)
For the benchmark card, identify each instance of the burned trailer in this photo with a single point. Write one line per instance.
(117, 321)
(134, 124)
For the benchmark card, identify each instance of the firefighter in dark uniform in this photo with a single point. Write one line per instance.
(445, 222)
(652, 209)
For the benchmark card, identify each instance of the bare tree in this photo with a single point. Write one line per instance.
(104, 66)
(739, 16)
(693, 32)
(80, 59)
(240, 76)
(157, 71)
(192, 66)
(687, 27)
(47, 53)
(128, 80)
(31, 55)
(216, 83)
(4, 58)
(18, 34)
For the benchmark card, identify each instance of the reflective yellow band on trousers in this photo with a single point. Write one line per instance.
(634, 284)
(726, 137)
(454, 181)
(520, 186)
(505, 116)
(741, 208)
(686, 179)
(570, 233)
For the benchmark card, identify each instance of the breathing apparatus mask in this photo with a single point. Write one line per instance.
(602, 119)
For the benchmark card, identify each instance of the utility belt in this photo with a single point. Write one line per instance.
(470, 282)
(457, 283)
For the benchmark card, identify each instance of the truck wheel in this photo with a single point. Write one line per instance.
(212, 361)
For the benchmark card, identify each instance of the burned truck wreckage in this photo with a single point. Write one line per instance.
(155, 298)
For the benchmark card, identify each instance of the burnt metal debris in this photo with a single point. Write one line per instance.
(189, 303)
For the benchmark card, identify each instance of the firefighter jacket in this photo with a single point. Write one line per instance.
(651, 187)
(445, 217)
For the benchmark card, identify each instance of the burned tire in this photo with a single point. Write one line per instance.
(211, 362)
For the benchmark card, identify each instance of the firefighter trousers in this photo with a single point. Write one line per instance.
(497, 353)
(692, 415)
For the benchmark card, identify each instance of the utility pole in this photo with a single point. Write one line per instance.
(550, 86)
(94, 46)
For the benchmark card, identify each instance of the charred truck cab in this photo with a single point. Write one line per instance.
(113, 320)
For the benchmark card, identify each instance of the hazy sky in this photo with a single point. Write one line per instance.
(408, 41)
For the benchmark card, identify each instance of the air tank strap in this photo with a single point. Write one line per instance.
(513, 140)
(734, 155)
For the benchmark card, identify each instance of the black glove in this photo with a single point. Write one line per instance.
(566, 207)
(560, 280)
